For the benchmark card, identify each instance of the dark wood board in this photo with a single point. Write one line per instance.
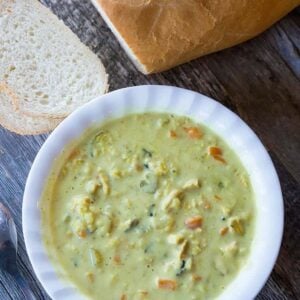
(259, 80)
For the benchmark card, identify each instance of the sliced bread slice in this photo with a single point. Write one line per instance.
(18, 122)
(44, 63)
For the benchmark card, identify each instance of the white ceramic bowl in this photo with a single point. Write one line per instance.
(268, 197)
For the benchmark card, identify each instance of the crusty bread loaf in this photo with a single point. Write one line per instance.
(18, 122)
(44, 63)
(159, 34)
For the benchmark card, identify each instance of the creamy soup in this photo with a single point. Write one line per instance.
(149, 206)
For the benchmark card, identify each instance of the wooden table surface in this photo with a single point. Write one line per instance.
(259, 80)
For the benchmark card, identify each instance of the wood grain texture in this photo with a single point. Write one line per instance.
(259, 80)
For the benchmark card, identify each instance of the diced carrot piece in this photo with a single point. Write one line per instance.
(117, 259)
(215, 151)
(223, 230)
(193, 132)
(81, 233)
(172, 134)
(196, 277)
(194, 222)
(167, 284)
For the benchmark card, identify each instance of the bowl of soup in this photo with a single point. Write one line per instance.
(152, 192)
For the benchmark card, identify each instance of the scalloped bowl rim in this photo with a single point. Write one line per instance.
(202, 109)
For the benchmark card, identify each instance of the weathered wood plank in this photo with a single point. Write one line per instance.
(16, 156)
(259, 80)
(285, 39)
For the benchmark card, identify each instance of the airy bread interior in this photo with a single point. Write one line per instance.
(44, 63)
(18, 122)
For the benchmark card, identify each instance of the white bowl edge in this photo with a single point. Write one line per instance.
(269, 219)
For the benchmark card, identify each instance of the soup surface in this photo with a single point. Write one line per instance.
(149, 206)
